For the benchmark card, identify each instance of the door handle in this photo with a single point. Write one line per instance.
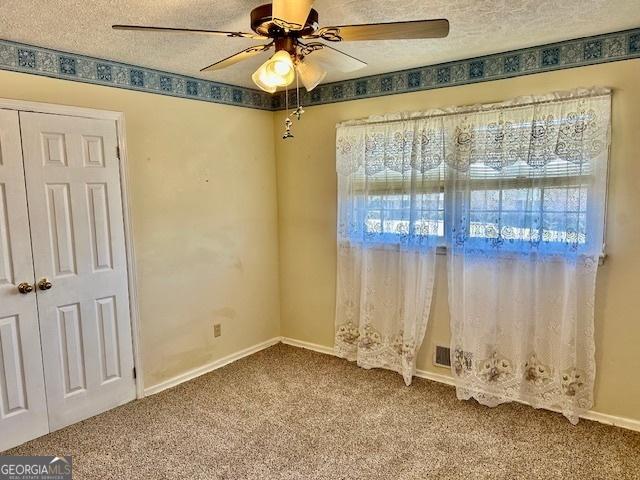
(25, 288)
(44, 284)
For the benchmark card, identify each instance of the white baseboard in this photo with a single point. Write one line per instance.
(623, 422)
(196, 372)
(308, 345)
(435, 377)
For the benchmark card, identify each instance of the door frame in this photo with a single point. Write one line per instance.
(125, 191)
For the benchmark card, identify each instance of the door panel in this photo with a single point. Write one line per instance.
(23, 409)
(6, 266)
(14, 397)
(108, 330)
(73, 187)
(98, 206)
(60, 230)
(71, 350)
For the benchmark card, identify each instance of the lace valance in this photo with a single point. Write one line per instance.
(534, 131)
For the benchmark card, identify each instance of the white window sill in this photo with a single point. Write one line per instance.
(442, 250)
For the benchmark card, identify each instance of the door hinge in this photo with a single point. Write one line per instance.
(134, 373)
(118, 152)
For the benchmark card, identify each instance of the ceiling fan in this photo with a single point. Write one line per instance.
(292, 26)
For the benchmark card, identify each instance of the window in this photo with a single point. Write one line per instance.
(517, 203)
(392, 207)
(531, 176)
(529, 204)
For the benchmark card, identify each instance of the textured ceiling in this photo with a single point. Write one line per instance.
(478, 27)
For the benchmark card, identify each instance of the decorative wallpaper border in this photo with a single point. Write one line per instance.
(25, 58)
(609, 47)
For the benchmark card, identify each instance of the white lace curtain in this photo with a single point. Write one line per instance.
(391, 211)
(516, 192)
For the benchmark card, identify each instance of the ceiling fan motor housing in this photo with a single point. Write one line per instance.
(262, 23)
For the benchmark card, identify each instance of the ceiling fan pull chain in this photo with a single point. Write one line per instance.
(298, 111)
(287, 121)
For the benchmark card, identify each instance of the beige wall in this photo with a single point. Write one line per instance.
(307, 221)
(203, 189)
(207, 220)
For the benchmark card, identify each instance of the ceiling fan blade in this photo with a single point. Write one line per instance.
(238, 57)
(142, 28)
(385, 31)
(291, 14)
(332, 58)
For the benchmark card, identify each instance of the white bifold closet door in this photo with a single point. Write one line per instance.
(75, 211)
(23, 408)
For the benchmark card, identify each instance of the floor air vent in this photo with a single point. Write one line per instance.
(443, 356)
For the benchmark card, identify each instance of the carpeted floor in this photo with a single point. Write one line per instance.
(288, 413)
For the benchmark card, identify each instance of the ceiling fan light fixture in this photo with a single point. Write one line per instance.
(310, 73)
(276, 72)
(280, 66)
(261, 78)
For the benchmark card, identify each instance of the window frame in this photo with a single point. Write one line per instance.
(364, 185)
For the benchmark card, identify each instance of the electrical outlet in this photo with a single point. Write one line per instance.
(217, 329)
